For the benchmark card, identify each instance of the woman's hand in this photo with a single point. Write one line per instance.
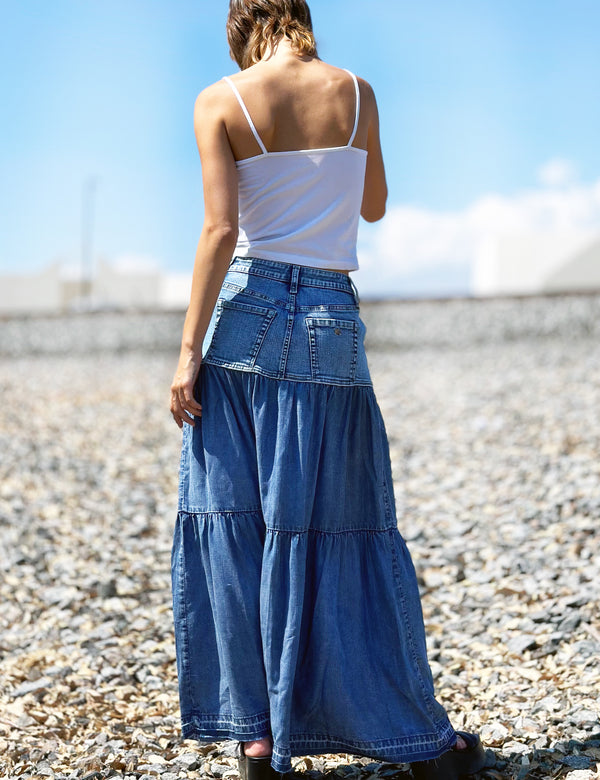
(183, 404)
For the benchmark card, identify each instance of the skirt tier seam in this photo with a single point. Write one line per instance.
(243, 368)
(208, 514)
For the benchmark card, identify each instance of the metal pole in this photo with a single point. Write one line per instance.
(87, 218)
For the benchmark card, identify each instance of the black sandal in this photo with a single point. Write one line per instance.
(454, 763)
(255, 768)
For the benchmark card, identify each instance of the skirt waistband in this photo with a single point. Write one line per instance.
(294, 274)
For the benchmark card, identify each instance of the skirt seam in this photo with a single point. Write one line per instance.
(244, 368)
(296, 531)
(427, 694)
(331, 533)
(258, 510)
(184, 620)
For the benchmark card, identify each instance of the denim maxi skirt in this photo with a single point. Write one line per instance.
(296, 606)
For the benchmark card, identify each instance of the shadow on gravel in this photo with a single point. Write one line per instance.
(355, 771)
(566, 757)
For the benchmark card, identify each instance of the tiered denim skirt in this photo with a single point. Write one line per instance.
(296, 606)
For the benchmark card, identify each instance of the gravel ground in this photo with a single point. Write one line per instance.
(495, 448)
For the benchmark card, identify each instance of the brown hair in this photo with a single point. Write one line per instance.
(253, 26)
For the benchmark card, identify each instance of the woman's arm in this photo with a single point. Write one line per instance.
(375, 192)
(215, 247)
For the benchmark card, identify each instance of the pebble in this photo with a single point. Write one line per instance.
(32, 687)
(494, 733)
(188, 761)
(492, 410)
(577, 762)
(519, 644)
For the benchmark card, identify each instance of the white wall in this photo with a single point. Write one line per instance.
(520, 264)
(126, 289)
(175, 291)
(38, 292)
(580, 273)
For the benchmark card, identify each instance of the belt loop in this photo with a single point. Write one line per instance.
(294, 281)
(356, 295)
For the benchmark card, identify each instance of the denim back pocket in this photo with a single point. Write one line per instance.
(333, 345)
(240, 329)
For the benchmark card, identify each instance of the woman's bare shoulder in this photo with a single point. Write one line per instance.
(212, 95)
(213, 105)
(366, 90)
(367, 99)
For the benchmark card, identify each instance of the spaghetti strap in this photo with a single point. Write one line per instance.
(246, 114)
(350, 142)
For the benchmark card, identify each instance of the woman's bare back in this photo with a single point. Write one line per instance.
(294, 104)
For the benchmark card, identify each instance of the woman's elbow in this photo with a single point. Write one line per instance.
(373, 211)
(371, 215)
(374, 203)
(223, 234)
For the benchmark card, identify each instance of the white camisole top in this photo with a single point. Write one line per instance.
(303, 206)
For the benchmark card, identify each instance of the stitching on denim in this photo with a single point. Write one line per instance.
(184, 469)
(326, 307)
(402, 749)
(267, 273)
(255, 263)
(183, 615)
(245, 291)
(287, 340)
(300, 531)
(330, 321)
(249, 308)
(202, 726)
(205, 726)
(205, 514)
(228, 718)
(268, 315)
(312, 323)
(410, 637)
(387, 489)
(234, 366)
(304, 282)
(328, 285)
(425, 746)
(415, 740)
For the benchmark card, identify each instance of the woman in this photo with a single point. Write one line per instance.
(297, 617)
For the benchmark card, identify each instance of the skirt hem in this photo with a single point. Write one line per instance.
(401, 750)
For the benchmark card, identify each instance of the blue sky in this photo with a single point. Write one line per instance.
(482, 102)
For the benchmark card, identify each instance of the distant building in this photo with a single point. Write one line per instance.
(41, 292)
(581, 272)
(126, 288)
(57, 289)
(175, 291)
(536, 263)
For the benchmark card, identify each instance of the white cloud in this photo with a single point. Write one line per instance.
(411, 241)
(557, 172)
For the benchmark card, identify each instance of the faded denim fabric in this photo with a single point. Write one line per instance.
(296, 606)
